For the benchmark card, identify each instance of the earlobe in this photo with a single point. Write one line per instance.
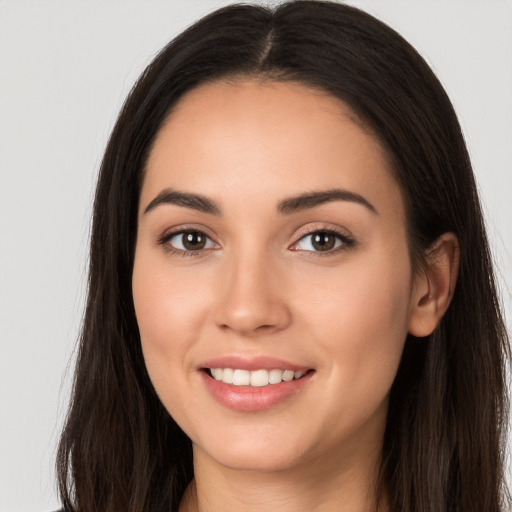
(433, 288)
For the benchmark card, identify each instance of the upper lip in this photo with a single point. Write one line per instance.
(252, 363)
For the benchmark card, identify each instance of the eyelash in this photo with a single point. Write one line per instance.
(165, 239)
(346, 241)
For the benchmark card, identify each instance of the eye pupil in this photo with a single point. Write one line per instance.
(194, 240)
(323, 241)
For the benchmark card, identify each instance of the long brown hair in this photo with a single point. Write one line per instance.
(443, 446)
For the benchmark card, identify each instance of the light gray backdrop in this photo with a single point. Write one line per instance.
(65, 68)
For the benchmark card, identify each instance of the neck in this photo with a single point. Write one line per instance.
(318, 486)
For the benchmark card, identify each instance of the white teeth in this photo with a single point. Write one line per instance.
(227, 375)
(275, 376)
(257, 378)
(287, 375)
(241, 378)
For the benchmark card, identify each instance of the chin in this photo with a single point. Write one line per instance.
(253, 453)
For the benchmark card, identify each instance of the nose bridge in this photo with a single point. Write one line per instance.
(251, 298)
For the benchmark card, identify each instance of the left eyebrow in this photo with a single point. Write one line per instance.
(311, 200)
(185, 199)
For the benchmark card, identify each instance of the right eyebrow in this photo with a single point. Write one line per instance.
(314, 199)
(193, 201)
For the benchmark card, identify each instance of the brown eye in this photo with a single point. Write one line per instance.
(194, 240)
(323, 241)
(190, 241)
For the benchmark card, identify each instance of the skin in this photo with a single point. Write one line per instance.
(260, 288)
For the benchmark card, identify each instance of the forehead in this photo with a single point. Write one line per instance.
(250, 138)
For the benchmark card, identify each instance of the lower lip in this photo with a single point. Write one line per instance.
(253, 398)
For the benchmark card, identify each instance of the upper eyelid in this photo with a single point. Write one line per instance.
(169, 233)
(164, 242)
(343, 234)
(316, 228)
(344, 238)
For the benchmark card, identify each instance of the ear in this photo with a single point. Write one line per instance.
(433, 287)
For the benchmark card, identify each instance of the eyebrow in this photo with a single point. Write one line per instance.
(286, 206)
(188, 200)
(313, 199)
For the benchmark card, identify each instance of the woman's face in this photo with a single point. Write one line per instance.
(272, 237)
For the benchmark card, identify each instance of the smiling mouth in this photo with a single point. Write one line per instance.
(256, 378)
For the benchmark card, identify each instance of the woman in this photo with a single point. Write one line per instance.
(291, 301)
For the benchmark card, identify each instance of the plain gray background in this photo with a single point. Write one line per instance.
(65, 68)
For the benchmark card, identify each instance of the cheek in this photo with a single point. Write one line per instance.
(169, 307)
(360, 320)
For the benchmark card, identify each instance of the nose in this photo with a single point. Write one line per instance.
(252, 297)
